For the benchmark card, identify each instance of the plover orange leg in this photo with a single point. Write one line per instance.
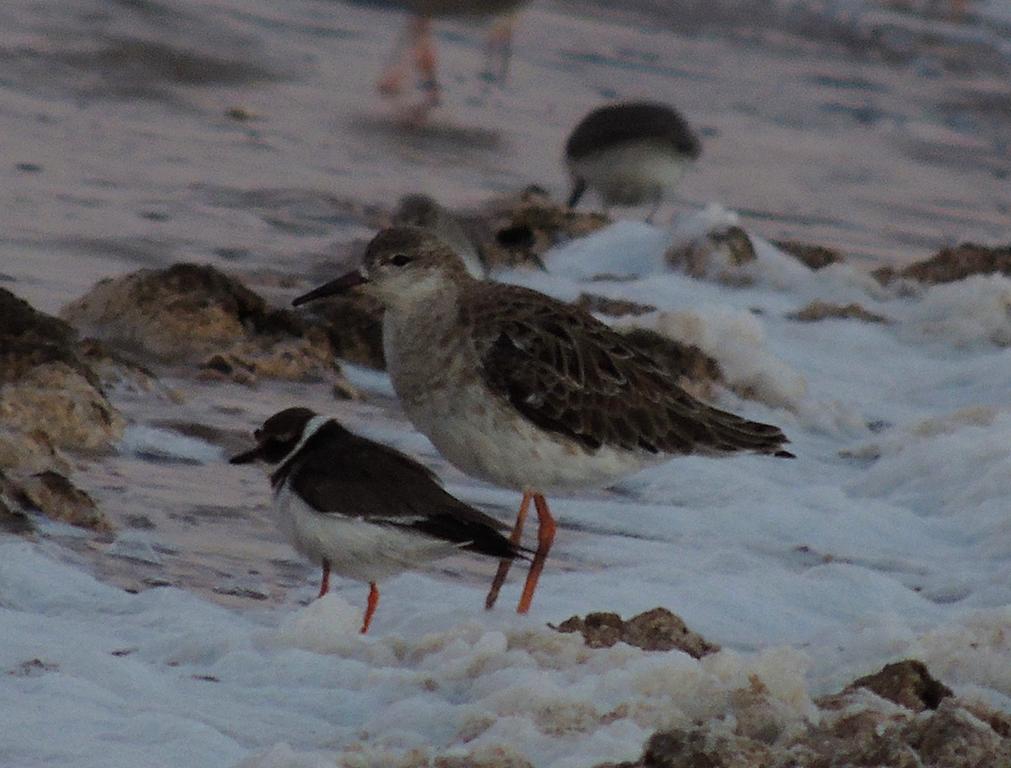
(370, 609)
(324, 585)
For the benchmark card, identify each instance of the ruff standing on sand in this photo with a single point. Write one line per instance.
(524, 391)
(630, 154)
(361, 509)
(416, 46)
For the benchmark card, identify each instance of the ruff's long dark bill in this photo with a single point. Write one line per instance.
(342, 284)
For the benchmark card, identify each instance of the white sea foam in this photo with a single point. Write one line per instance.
(888, 536)
(167, 445)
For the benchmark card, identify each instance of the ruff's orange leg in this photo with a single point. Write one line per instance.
(371, 608)
(545, 536)
(503, 566)
(324, 586)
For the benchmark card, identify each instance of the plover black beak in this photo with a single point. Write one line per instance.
(333, 288)
(248, 457)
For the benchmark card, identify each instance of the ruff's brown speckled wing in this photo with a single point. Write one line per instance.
(572, 375)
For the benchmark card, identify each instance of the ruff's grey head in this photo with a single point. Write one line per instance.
(403, 266)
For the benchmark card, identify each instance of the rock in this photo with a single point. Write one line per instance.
(722, 254)
(114, 370)
(851, 728)
(603, 305)
(759, 715)
(30, 451)
(64, 405)
(858, 734)
(354, 326)
(820, 310)
(812, 256)
(13, 518)
(599, 629)
(53, 495)
(19, 319)
(907, 683)
(699, 748)
(952, 737)
(948, 738)
(29, 339)
(485, 757)
(696, 371)
(47, 391)
(1000, 722)
(227, 367)
(655, 630)
(191, 313)
(951, 264)
(518, 231)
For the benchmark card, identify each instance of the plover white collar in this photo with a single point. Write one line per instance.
(361, 509)
(630, 153)
(525, 391)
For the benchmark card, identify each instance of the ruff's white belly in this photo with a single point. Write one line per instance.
(355, 549)
(632, 174)
(483, 437)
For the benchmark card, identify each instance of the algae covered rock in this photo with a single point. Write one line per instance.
(952, 264)
(196, 314)
(46, 387)
(811, 255)
(907, 683)
(817, 311)
(910, 720)
(722, 254)
(654, 630)
(517, 231)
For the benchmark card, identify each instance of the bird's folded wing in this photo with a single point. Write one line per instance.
(571, 374)
(365, 480)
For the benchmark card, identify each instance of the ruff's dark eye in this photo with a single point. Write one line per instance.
(400, 260)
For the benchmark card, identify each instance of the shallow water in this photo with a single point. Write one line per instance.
(882, 132)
